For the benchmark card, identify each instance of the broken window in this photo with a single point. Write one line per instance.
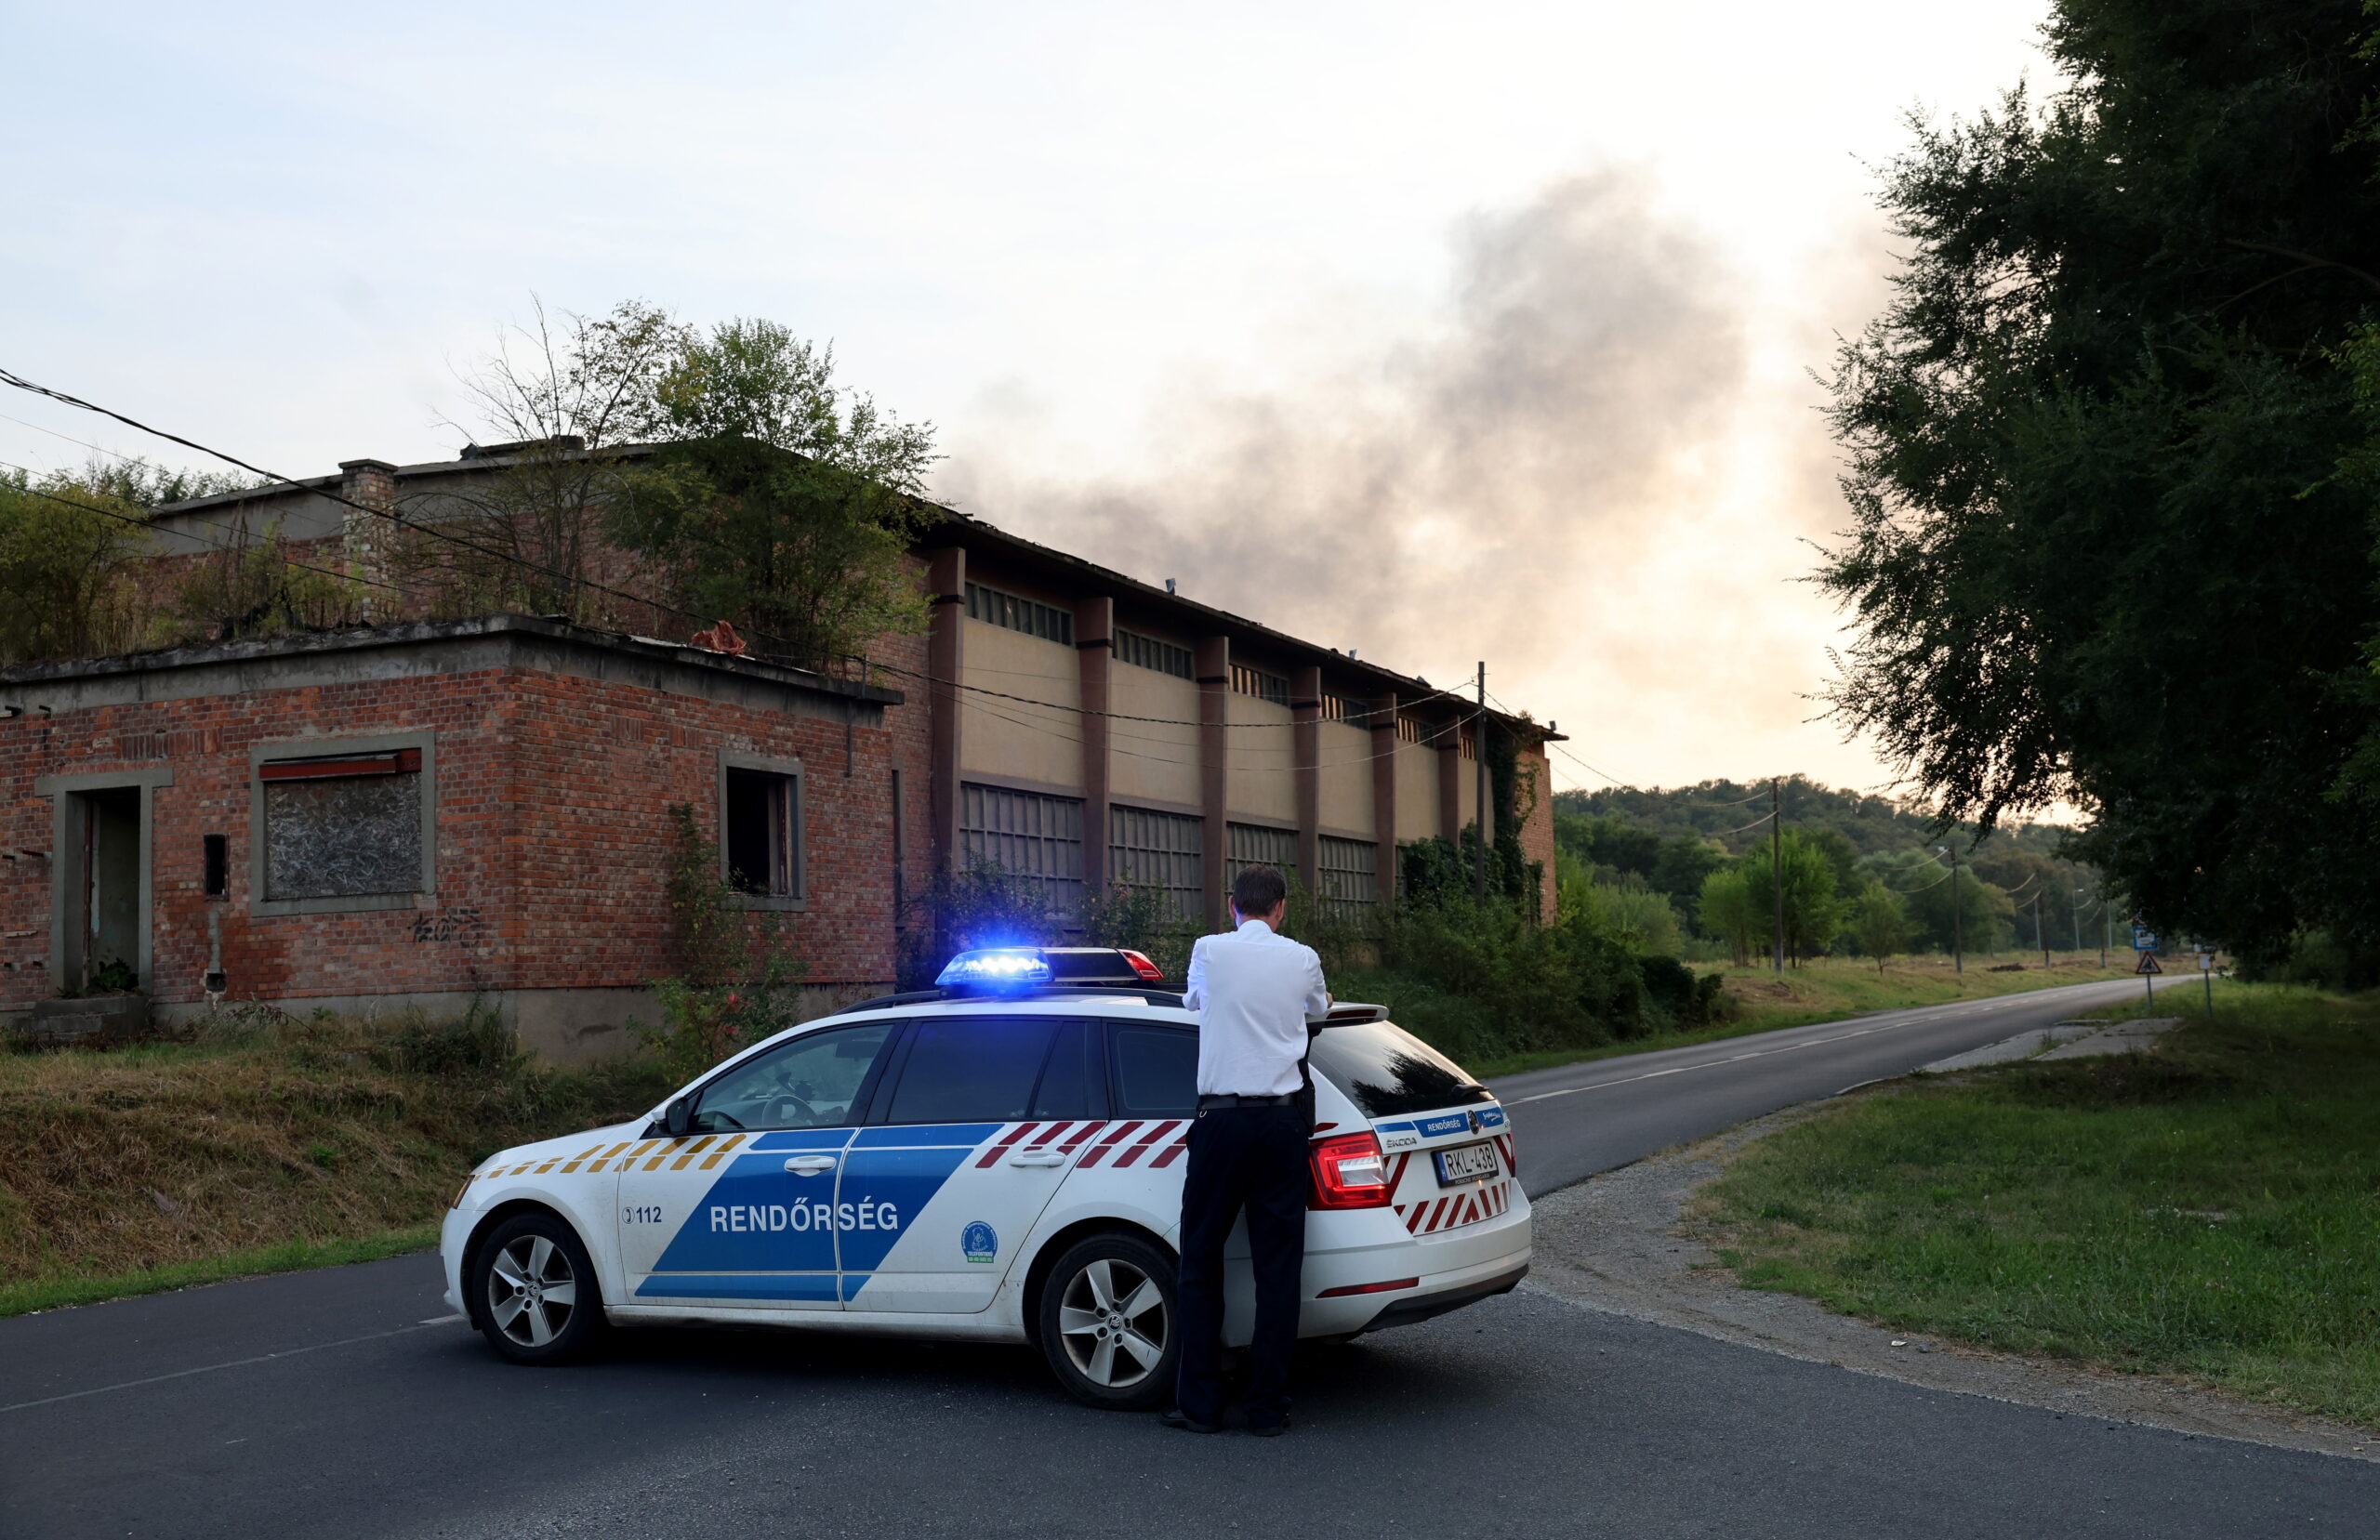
(343, 825)
(761, 815)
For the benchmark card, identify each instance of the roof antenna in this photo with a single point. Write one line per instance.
(1169, 585)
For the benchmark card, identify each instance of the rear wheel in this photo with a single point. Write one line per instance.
(535, 1292)
(1109, 1323)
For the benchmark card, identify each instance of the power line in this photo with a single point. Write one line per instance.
(277, 481)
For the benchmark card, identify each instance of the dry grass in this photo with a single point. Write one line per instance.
(263, 1135)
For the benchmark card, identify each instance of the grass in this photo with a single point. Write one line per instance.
(267, 1144)
(1829, 989)
(2209, 1210)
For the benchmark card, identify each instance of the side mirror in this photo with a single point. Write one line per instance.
(679, 1118)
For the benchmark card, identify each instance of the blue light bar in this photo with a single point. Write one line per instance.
(993, 967)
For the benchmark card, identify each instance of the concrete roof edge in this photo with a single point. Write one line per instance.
(415, 633)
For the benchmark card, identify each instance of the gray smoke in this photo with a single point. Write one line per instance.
(1536, 483)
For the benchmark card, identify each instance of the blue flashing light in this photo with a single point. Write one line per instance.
(996, 967)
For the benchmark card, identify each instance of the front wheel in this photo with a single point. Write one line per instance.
(1110, 1324)
(534, 1290)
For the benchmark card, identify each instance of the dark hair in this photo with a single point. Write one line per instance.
(1259, 890)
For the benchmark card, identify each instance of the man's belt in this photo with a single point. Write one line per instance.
(1209, 1103)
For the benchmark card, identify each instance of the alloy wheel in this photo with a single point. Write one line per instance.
(531, 1291)
(1113, 1321)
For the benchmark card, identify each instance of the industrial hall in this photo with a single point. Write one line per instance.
(421, 811)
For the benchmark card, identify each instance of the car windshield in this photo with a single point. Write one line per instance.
(1386, 1070)
(808, 1083)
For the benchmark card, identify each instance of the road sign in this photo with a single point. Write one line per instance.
(2148, 964)
(2206, 962)
(2143, 939)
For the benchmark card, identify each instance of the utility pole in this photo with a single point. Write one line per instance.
(2107, 925)
(2042, 944)
(1958, 914)
(1776, 861)
(1479, 757)
(2078, 921)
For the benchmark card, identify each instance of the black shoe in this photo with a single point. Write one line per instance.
(1176, 1417)
(1269, 1431)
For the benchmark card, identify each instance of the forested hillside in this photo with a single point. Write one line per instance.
(1863, 874)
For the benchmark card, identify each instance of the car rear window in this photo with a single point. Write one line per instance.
(1386, 1070)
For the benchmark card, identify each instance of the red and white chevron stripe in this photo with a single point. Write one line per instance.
(1165, 1139)
(1455, 1210)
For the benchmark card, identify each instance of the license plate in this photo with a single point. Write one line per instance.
(1466, 1163)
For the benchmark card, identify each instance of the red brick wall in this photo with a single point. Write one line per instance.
(553, 836)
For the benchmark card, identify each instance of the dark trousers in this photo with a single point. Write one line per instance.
(1251, 1158)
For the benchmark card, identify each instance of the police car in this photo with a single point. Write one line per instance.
(1000, 1159)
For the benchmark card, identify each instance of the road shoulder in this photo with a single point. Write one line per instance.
(1621, 1242)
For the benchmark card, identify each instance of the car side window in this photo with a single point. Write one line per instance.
(1070, 1076)
(971, 1069)
(809, 1083)
(1156, 1069)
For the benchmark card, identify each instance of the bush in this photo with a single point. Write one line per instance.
(736, 981)
(478, 1042)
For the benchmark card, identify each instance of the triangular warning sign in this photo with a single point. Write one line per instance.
(2148, 964)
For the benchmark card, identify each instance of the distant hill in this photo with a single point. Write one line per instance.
(1736, 813)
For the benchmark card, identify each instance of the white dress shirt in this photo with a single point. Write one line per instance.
(1253, 990)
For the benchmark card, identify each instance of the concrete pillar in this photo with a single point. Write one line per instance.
(1211, 667)
(1306, 743)
(1449, 747)
(946, 662)
(1095, 660)
(1383, 720)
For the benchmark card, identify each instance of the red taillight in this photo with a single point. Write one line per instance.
(1150, 973)
(1341, 1293)
(1348, 1172)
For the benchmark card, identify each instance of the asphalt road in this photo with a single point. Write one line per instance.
(336, 1402)
(1580, 1119)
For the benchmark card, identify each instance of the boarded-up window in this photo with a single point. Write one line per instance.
(1148, 849)
(1350, 877)
(1252, 846)
(1027, 834)
(342, 835)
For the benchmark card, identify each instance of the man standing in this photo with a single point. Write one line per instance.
(1253, 991)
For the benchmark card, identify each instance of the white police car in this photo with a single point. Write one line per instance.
(999, 1158)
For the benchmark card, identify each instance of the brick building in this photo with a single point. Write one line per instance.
(425, 812)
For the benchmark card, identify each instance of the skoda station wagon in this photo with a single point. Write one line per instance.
(999, 1159)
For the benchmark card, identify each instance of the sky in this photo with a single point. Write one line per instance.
(1445, 333)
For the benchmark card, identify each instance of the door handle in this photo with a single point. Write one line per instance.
(810, 1166)
(1054, 1157)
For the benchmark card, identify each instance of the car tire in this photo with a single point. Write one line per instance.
(533, 1293)
(1109, 1323)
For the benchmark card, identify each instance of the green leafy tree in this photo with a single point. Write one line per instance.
(69, 555)
(2101, 549)
(1804, 868)
(1736, 910)
(781, 502)
(735, 979)
(1879, 922)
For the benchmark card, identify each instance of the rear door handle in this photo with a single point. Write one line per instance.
(810, 1166)
(1054, 1157)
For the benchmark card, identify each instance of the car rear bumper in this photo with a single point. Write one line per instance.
(1406, 1310)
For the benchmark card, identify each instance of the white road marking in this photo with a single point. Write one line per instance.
(1764, 1053)
(210, 1368)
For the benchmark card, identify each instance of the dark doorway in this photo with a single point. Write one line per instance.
(107, 936)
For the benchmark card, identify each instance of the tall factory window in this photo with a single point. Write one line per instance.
(1148, 849)
(1026, 834)
(1255, 682)
(1350, 886)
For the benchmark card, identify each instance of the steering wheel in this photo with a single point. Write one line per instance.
(776, 1113)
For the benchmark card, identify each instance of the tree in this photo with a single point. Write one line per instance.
(2101, 549)
(1813, 913)
(1732, 911)
(780, 501)
(1879, 922)
(69, 553)
(559, 399)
